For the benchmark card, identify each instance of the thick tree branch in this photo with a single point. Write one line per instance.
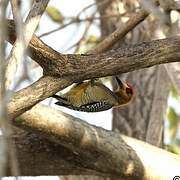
(45, 157)
(56, 64)
(123, 60)
(76, 68)
(89, 66)
(38, 91)
(100, 151)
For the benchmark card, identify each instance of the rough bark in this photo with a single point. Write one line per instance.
(76, 68)
(57, 64)
(85, 148)
(86, 66)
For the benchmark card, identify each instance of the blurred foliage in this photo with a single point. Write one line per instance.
(174, 147)
(55, 15)
(173, 119)
(91, 39)
(88, 42)
(175, 93)
(172, 132)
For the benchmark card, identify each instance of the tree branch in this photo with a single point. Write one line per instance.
(76, 68)
(123, 60)
(97, 150)
(113, 62)
(21, 44)
(82, 138)
(120, 32)
(38, 91)
(69, 66)
(45, 157)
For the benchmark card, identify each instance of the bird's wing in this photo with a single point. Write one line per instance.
(96, 106)
(91, 107)
(100, 93)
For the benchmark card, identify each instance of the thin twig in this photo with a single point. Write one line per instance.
(77, 44)
(79, 20)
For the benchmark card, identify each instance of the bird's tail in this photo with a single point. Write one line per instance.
(62, 101)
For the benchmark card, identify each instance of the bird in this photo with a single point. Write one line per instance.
(94, 96)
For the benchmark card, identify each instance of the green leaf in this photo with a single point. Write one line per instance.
(175, 93)
(172, 117)
(55, 14)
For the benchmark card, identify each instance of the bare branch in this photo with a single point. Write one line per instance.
(80, 136)
(98, 150)
(47, 57)
(44, 157)
(81, 67)
(38, 91)
(77, 18)
(120, 32)
(113, 62)
(18, 49)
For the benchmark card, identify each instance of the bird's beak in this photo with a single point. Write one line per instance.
(121, 85)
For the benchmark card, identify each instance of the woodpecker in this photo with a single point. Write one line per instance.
(93, 96)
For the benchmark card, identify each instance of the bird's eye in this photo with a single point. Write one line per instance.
(129, 91)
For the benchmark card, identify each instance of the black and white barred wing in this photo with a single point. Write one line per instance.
(91, 107)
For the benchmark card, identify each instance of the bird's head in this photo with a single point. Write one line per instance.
(125, 92)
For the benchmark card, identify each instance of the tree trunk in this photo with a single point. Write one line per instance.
(133, 120)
